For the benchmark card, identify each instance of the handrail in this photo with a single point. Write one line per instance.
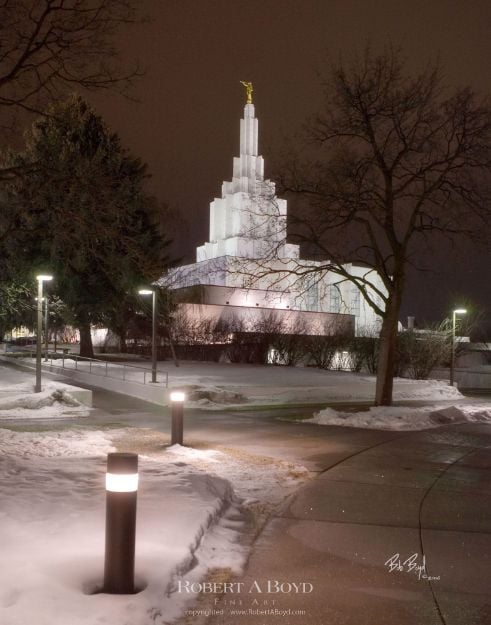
(106, 364)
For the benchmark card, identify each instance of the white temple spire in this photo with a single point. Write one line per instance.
(248, 166)
(248, 219)
(248, 132)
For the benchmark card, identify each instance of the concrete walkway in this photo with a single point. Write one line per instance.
(425, 493)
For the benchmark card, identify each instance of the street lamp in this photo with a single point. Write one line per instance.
(457, 311)
(45, 300)
(153, 293)
(40, 279)
(46, 341)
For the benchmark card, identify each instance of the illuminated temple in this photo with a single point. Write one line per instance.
(245, 268)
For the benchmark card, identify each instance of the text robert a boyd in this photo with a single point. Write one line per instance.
(269, 586)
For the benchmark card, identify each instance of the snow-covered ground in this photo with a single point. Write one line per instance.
(336, 387)
(404, 417)
(192, 508)
(195, 505)
(219, 386)
(214, 385)
(19, 401)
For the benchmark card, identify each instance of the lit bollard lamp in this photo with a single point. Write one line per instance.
(121, 491)
(177, 402)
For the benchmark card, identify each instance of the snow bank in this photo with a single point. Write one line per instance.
(425, 389)
(211, 396)
(403, 417)
(19, 401)
(52, 531)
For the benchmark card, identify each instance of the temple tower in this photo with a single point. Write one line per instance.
(249, 220)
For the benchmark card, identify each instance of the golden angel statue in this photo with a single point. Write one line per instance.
(248, 87)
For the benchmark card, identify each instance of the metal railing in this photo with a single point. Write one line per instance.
(100, 367)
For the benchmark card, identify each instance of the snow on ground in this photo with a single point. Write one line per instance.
(19, 401)
(333, 387)
(194, 505)
(423, 389)
(52, 522)
(214, 386)
(403, 417)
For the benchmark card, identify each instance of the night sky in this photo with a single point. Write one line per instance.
(186, 122)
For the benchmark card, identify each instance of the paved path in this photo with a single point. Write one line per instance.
(426, 493)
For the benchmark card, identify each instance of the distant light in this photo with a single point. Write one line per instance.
(43, 278)
(460, 311)
(177, 396)
(145, 292)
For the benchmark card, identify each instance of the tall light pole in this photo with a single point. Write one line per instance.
(153, 293)
(46, 341)
(40, 279)
(457, 311)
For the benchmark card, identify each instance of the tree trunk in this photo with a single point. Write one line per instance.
(172, 350)
(123, 348)
(86, 348)
(387, 351)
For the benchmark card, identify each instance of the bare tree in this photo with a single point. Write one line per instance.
(290, 345)
(322, 348)
(49, 46)
(397, 159)
(421, 351)
(364, 349)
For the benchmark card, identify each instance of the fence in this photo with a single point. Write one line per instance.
(95, 366)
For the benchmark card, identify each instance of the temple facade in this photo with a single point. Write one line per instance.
(248, 270)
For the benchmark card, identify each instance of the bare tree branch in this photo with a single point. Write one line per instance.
(394, 158)
(49, 46)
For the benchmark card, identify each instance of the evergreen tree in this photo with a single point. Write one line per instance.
(91, 221)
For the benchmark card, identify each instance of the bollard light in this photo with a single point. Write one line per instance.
(177, 399)
(122, 483)
(121, 493)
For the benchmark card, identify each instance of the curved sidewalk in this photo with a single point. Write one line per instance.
(424, 496)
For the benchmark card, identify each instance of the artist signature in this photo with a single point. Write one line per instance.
(410, 565)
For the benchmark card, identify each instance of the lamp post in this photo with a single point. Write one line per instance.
(177, 415)
(46, 342)
(40, 279)
(153, 293)
(457, 311)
